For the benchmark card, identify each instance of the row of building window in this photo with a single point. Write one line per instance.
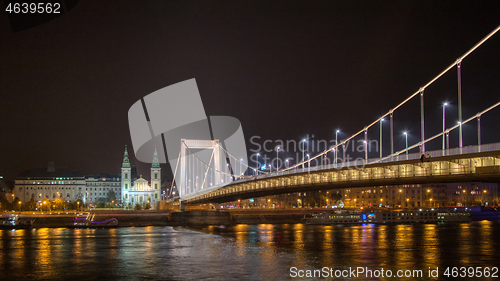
(48, 188)
(69, 188)
(100, 194)
(112, 188)
(126, 196)
(51, 182)
(126, 186)
(97, 184)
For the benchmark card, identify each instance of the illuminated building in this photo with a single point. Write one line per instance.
(139, 191)
(423, 195)
(50, 183)
(397, 196)
(103, 187)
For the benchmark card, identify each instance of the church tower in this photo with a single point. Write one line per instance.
(156, 180)
(126, 179)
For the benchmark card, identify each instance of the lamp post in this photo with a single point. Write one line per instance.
(336, 142)
(257, 161)
(277, 158)
(303, 149)
(399, 201)
(381, 120)
(459, 62)
(479, 132)
(463, 197)
(444, 118)
(428, 190)
(406, 138)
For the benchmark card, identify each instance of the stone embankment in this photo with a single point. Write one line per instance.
(188, 218)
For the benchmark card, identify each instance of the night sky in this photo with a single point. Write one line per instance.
(285, 69)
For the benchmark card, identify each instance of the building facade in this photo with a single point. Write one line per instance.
(397, 196)
(126, 188)
(104, 188)
(423, 195)
(140, 191)
(50, 183)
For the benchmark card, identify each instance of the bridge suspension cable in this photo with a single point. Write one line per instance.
(438, 135)
(222, 168)
(200, 174)
(391, 111)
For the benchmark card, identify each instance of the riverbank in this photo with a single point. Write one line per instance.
(151, 218)
(195, 217)
(233, 217)
(124, 219)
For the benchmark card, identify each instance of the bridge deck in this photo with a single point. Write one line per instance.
(478, 166)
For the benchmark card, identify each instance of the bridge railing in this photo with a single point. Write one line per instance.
(360, 163)
(477, 166)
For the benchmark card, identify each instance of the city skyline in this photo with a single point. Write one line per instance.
(314, 139)
(285, 71)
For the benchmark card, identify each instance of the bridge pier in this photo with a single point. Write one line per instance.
(182, 207)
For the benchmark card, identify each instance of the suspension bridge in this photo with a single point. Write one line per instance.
(225, 177)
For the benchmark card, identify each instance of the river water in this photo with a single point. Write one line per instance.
(247, 252)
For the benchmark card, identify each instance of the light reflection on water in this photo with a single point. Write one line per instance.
(243, 252)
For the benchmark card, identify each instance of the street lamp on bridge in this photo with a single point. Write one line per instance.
(444, 123)
(303, 149)
(381, 120)
(336, 142)
(406, 138)
(277, 158)
(257, 161)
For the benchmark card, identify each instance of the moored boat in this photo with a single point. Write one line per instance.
(16, 221)
(89, 222)
(384, 217)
